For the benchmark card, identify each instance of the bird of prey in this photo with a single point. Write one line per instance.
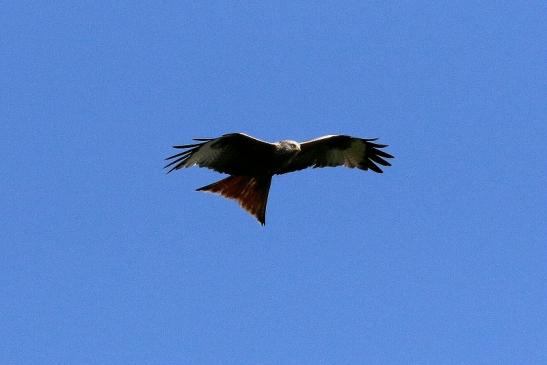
(251, 162)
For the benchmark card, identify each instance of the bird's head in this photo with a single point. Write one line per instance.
(289, 146)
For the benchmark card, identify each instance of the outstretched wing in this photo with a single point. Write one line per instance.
(337, 151)
(234, 154)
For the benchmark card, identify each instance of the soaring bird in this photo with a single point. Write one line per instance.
(251, 162)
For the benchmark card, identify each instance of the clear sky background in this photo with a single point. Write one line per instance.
(107, 260)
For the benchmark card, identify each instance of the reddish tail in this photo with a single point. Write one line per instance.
(251, 192)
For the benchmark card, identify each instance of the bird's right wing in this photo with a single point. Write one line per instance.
(234, 154)
(339, 150)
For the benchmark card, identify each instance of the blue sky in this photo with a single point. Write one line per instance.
(107, 260)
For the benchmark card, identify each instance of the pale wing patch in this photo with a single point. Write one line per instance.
(350, 157)
(354, 154)
(335, 157)
(204, 156)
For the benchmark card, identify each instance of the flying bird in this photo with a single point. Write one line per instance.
(251, 162)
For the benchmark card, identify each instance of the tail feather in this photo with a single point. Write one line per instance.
(251, 192)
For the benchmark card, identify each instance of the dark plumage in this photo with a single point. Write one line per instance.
(253, 162)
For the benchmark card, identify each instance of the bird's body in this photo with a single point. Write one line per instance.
(252, 162)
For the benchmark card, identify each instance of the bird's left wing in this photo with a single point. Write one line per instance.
(234, 154)
(338, 150)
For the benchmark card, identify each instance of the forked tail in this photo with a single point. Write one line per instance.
(251, 192)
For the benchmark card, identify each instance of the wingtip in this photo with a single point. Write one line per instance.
(171, 169)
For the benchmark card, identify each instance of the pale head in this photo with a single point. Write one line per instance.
(288, 146)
